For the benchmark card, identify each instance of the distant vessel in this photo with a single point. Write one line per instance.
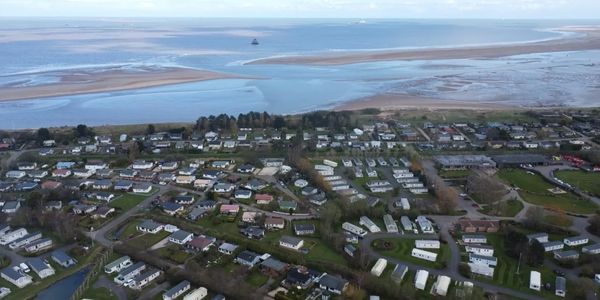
(360, 22)
(254, 42)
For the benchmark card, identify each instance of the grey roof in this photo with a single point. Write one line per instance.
(180, 235)
(150, 224)
(184, 285)
(290, 240)
(247, 255)
(552, 243)
(61, 256)
(568, 253)
(520, 159)
(274, 264)
(399, 272)
(561, 283)
(138, 265)
(332, 282)
(304, 227)
(38, 265)
(12, 273)
(228, 247)
(591, 247)
(575, 238)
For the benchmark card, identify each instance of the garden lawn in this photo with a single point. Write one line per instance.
(511, 209)
(586, 181)
(534, 189)
(506, 272)
(257, 279)
(101, 293)
(402, 248)
(146, 240)
(127, 201)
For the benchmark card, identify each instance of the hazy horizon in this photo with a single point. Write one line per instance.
(373, 9)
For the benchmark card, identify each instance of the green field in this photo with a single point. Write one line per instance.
(510, 209)
(534, 189)
(146, 240)
(506, 271)
(99, 294)
(586, 181)
(558, 221)
(127, 201)
(257, 279)
(454, 174)
(401, 249)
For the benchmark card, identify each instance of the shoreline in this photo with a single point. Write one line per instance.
(393, 102)
(590, 41)
(79, 82)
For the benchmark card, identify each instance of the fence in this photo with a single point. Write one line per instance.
(95, 269)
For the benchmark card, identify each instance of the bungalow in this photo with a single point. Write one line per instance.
(333, 284)
(274, 223)
(472, 226)
(206, 204)
(103, 212)
(123, 185)
(143, 279)
(128, 173)
(177, 290)
(53, 205)
(243, 194)
(188, 171)
(184, 199)
(229, 209)
(291, 242)
(201, 243)
(26, 166)
(211, 174)
(185, 179)
(300, 277)
(474, 239)
(65, 165)
(64, 260)
(11, 207)
(62, 173)
(17, 278)
(102, 184)
(566, 255)
(263, 199)
(288, 205)
(255, 185)
(149, 226)
(96, 165)
(246, 169)
(247, 258)
(142, 165)
(51, 185)
(105, 196)
(164, 178)
(220, 164)
(304, 229)
(169, 166)
(249, 216)
(227, 248)
(38, 174)
(41, 268)
(142, 188)
(223, 187)
(172, 208)
(591, 249)
(253, 232)
(273, 267)
(81, 209)
(181, 237)
(15, 174)
(553, 246)
(118, 265)
(203, 183)
(83, 173)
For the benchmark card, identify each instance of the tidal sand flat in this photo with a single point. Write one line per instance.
(587, 38)
(86, 81)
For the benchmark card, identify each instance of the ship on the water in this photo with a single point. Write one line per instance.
(254, 42)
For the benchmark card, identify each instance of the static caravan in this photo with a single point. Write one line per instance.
(422, 254)
(354, 229)
(379, 267)
(535, 280)
(421, 279)
(427, 244)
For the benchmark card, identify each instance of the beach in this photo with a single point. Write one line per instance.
(389, 102)
(76, 82)
(588, 38)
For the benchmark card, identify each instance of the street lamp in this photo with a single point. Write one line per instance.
(92, 235)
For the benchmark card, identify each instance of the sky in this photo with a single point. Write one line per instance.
(518, 9)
